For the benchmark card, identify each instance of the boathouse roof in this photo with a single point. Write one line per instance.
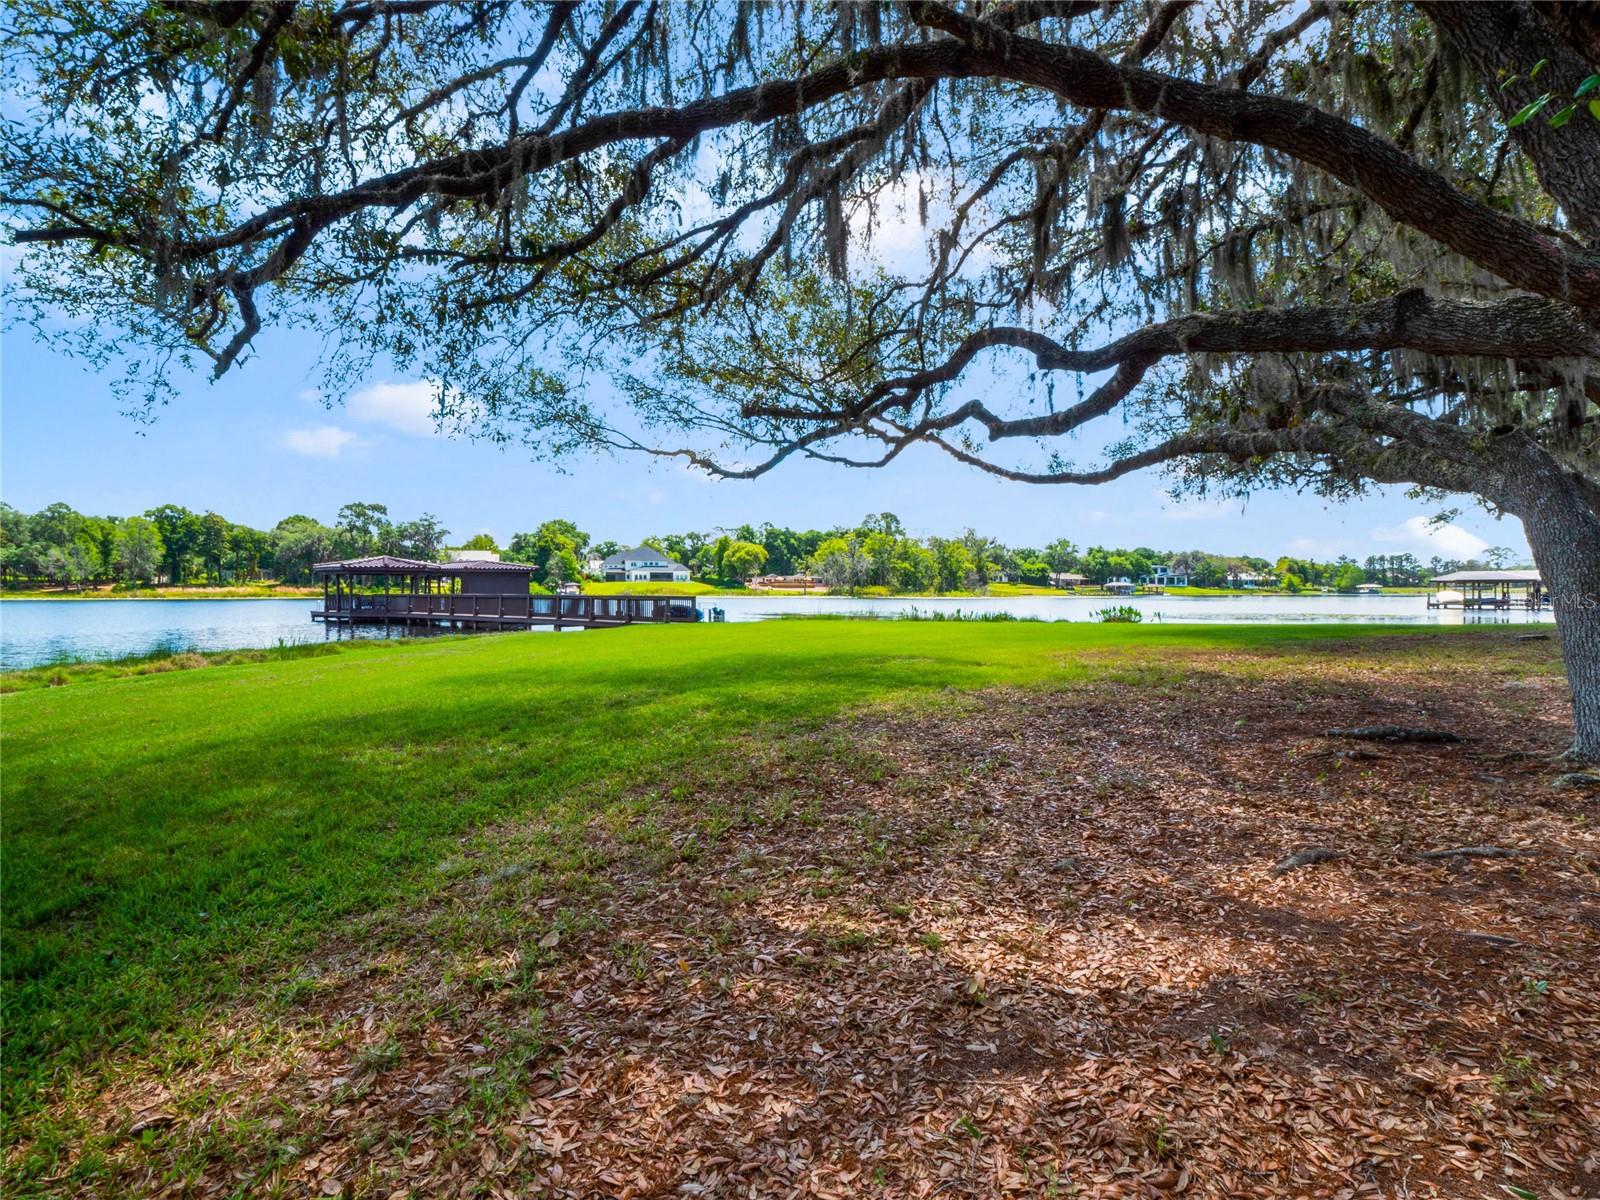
(472, 566)
(1523, 576)
(388, 564)
(377, 564)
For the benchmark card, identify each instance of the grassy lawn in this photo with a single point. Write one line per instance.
(595, 588)
(159, 662)
(1025, 589)
(1227, 591)
(180, 841)
(168, 835)
(1277, 591)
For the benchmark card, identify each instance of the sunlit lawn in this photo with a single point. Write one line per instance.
(171, 838)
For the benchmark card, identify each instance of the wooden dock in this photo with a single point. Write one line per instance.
(505, 610)
(385, 590)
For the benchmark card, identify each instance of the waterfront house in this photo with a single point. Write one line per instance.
(1067, 579)
(1165, 577)
(1250, 579)
(785, 583)
(643, 564)
(1120, 587)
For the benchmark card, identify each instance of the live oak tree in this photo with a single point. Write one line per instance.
(361, 529)
(552, 549)
(742, 561)
(138, 550)
(1319, 245)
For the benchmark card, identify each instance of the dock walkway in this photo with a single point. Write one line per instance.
(385, 590)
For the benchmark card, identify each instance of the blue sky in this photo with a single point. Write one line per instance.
(259, 445)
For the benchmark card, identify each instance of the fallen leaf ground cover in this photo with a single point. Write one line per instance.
(1011, 932)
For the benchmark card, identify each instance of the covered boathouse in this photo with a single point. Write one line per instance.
(1489, 589)
(473, 594)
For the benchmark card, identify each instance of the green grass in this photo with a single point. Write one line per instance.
(1025, 589)
(707, 589)
(172, 839)
(913, 613)
(591, 588)
(992, 590)
(157, 662)
(1278, 591)
(1227, 591)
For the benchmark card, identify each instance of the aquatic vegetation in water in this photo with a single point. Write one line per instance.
(1119, 613)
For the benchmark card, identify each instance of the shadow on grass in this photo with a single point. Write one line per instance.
(1026, 940)
(170, 838)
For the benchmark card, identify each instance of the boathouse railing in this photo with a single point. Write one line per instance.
(515, 606)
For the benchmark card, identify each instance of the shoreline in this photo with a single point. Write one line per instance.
(73, 668)
(197, 594)
(1010, 592)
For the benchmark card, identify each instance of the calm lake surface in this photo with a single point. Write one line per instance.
(39, 631)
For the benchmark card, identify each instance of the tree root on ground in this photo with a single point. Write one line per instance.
(1393, 733)
(1494, 939)
(1478, 852)
(1349, 753)
(1310, 856)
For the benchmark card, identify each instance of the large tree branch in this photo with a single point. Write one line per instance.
(485, 172)
(1408, 192)
(1396, 182)
(1367, 439)
(1240, 445)
(1518, 327)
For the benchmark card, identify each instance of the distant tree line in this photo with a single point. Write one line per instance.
(172, 545)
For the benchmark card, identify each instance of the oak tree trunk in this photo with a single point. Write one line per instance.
(1562, 522)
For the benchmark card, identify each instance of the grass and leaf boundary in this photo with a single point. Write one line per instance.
(220, 825)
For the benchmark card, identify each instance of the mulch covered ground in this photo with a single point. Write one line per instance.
(1027, 945)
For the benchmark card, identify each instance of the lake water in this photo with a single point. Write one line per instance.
(37, 631)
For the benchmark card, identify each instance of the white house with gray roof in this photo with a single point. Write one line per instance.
(643, 564)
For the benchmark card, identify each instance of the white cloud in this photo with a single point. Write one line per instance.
(890, 230)
(407, 407)
(320, 441)
(1418, 534)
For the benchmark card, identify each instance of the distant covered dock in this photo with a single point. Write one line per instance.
(474, 594)
(1489, 589)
